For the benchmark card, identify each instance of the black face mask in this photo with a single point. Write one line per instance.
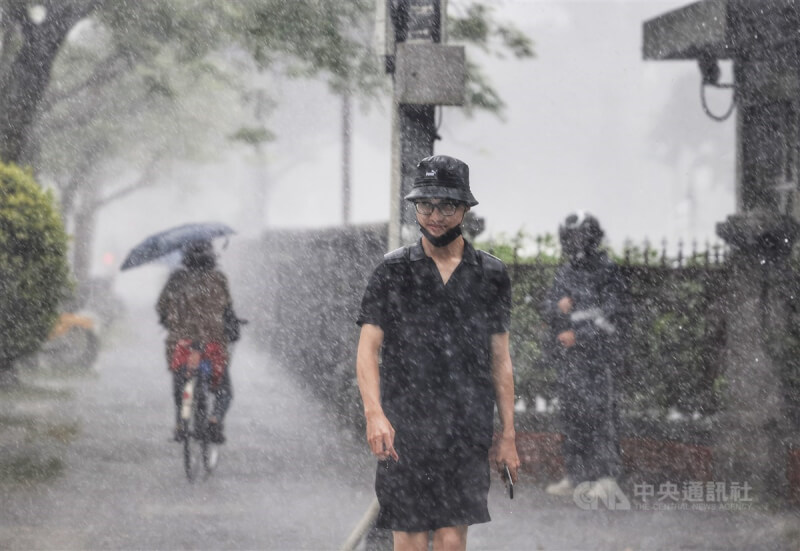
(443, 240)
(578, 247)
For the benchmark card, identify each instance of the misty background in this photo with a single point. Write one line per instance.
(587, 125)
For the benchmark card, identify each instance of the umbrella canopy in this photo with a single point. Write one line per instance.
(173, 239)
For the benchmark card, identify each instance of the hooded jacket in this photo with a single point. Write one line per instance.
(192, 305)
(599, 315)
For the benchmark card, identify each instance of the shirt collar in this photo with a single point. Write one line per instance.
(470, 256)
(418, 253)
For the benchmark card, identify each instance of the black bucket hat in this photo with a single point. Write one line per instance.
(442, 177)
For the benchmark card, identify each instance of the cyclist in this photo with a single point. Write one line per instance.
(192, 307)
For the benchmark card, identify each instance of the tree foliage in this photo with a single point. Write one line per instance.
(303, 36)
(474, 24)
(94, 89)
(133, 86)
(331, 38)
(33, 266)
(309, 37)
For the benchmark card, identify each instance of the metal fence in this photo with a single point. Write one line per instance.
(308, 286)
(676, 337)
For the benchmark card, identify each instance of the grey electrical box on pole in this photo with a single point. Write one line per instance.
(751, 430)
(429, 74)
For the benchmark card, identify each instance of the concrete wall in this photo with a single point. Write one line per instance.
(301, 290)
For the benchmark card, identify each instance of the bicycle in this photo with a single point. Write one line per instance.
(194, 433)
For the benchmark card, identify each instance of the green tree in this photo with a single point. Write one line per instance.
(29, 44)
(33, 266)
(329, 37)
(90, 89)
(138, 85)
(304, 35)
(102, 143)
(474, 24)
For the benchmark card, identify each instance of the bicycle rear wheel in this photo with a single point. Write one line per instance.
(192, 451)
(199, 453)
(205, 448)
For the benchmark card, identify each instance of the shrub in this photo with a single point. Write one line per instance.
(33, 264)
(677, 328)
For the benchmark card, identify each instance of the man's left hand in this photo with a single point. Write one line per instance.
(506, 454)
(567, 338)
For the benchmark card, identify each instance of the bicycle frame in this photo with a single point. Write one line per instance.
(194, 423)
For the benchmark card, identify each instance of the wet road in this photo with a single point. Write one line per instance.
(288, 478)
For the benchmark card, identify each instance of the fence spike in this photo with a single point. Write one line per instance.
(627, 250)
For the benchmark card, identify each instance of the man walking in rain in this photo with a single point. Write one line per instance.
(585, 312)
(438, 313)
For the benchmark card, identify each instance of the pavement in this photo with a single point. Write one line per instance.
(288, 478)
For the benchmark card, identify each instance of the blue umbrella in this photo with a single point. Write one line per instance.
(173, 239)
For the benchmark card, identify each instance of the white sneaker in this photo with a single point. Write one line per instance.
(563, 487)
(603, 488)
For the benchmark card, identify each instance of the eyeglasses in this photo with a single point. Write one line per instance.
(447, 208)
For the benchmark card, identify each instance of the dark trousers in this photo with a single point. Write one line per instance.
(589, 421)
(223, 394)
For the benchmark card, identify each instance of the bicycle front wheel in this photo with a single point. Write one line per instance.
(210, 456)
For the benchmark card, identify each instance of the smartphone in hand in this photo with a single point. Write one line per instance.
(509, 482)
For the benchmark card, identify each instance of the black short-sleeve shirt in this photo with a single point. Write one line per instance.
(436, 381)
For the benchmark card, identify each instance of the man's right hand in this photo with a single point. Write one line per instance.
(565, 305)
(380, 436)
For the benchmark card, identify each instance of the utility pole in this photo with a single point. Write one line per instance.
(751, 433)
(346, 154)
(426, 73)
(258, 209)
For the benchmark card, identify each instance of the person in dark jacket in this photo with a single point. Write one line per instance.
(585, 311)
(433, 360)
(192, 308)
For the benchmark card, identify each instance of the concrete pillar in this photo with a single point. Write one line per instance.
(750, 443)
(751, 433)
